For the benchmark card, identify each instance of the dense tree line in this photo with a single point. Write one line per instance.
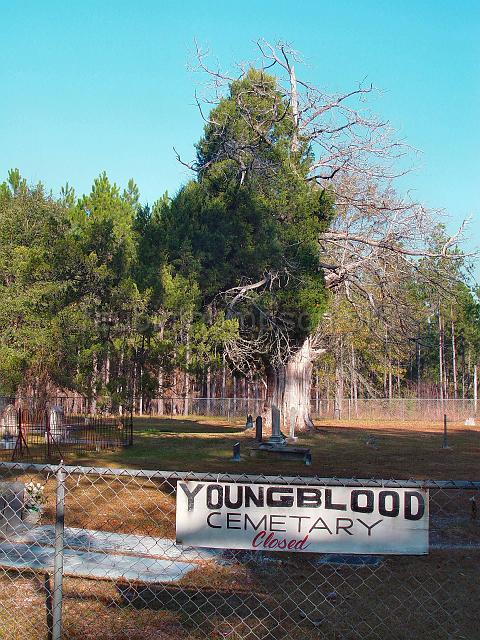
(288, 257)
(102, 296)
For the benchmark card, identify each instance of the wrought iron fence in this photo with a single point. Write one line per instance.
(102, 563)
(45, 431)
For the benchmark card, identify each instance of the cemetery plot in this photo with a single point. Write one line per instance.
(47, 432)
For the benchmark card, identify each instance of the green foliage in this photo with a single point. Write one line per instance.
(111, 298)
(252, 213)
(32, 282)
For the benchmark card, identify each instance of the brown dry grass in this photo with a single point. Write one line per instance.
(430, 597)
(406, 597)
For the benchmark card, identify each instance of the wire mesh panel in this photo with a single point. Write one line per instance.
(124, 576)
(398, 409)
(26, 588)
(383, 409)
(228, 408)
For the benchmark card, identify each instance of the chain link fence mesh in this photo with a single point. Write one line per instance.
(124, 576)
(398, 409)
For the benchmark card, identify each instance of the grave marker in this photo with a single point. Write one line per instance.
(276, 439)
(293, 423)
(258, 429)
(236, 452)
(11, 507)
(9, 428)
(56, 422)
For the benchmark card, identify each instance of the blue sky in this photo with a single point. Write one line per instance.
(100, 85)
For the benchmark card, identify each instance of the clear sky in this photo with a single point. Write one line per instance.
(93, 85)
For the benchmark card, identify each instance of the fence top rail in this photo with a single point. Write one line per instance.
(240, 478)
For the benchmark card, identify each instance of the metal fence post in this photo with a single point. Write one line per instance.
(58, 555)
(445, 432)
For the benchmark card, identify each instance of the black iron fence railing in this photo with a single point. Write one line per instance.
(45, 431)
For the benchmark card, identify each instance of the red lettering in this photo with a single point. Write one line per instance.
(269, 541)
(302, 544)
(257, 541)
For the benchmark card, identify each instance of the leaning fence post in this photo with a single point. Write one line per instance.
(47, 433)
(58, 555)
(20, 433)
(445, 433)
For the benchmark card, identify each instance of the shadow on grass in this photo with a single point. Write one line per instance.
(256, 615)
(173, 425)
(342, 451)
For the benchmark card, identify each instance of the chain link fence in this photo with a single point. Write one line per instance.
(98, 560)
(227, 408)
(397, 409)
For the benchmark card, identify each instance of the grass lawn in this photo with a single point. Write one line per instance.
(400, 450)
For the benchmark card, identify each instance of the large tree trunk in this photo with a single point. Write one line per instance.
(289, 387)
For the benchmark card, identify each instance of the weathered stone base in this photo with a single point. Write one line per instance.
(286, 451)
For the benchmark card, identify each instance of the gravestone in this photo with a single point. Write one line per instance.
(11, 508)
(56, 422)
(249, 423)
(9, 427)
(276, 439)
(293, 422)
(276, 444)
(236, 452)
(258, 429)
(470, 422)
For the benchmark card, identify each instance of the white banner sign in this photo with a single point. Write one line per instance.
(302, 519)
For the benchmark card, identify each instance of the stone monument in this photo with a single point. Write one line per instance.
(11, 508)
(276, 439)
(56, 423)
(293, 423)
(258, 429)
(9, 427)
